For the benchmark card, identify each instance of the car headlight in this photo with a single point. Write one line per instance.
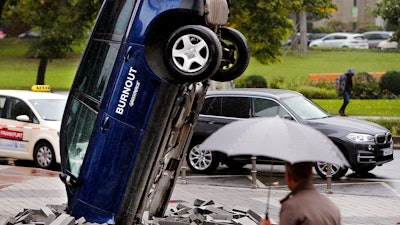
(360, 137)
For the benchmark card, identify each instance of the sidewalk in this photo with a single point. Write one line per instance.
(20, 188)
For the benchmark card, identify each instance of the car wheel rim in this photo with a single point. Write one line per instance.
(323, 168)
(44, 156)
(200, 159)
(190, 53)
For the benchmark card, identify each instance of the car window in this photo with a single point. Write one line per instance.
(238, 107)
(268, 108)
(212, 106)
(340, 37)
(15, 107)
(49, 109)
(79, 129)
(2, 104)
(114, 20)
(373, 36)
(96, 69)
(304, 108)
(358, 37)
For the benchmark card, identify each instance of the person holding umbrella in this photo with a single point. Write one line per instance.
(299, 146)
(304, 205)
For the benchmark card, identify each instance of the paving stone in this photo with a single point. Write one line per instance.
(64, 219)
(245, 221)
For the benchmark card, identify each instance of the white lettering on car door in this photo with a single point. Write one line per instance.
(123, 98)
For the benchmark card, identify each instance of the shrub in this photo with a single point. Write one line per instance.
(391, 124)
(365, 86)
(368, 27)
(252, 81)
(316, 92)
(322, 29)
(338, 26)
(390, 82)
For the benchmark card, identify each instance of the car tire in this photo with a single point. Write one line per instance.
(203, 161)
(43, 155)
(193, 53)
(322, 169)
(235, 57)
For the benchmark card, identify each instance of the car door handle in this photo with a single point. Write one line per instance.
(211, 122)
(128, 54)
(106, 124)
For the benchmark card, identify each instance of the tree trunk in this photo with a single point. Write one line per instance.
(41, 71)
(303, 32)
(293, 36)
(2, 3)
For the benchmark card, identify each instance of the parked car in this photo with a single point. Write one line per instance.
(3, 33)
(364, 144)
(29, 34)
(135, 98)
(341, 40)
(29, 126)
(387, 44)
(310, 37)
(375, 37)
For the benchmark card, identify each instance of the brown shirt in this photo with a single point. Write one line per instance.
(306, 206)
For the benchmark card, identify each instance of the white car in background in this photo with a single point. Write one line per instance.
(375, 37)
(341, 40)
(29, 126)
(387, 44)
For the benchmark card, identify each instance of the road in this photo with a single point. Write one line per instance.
(382, 181)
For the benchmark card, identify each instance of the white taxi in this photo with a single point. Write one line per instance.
(29, 126)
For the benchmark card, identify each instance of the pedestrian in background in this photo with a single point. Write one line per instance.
(305, 205)
(344, 84)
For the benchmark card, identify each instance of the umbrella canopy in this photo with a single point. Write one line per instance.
(276, 138)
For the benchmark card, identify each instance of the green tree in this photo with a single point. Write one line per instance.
(390, 10)
(266, 23)
(315, 9)
(59, 23)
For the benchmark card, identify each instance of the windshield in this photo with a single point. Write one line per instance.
(49, 109)
(305, 109)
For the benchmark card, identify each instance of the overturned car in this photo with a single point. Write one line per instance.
(134, 101)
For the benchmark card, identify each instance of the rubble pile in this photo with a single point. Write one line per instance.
(201, 213)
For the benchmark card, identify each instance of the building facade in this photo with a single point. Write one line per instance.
(353, 14)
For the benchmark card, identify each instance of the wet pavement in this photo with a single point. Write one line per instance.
(360, 201)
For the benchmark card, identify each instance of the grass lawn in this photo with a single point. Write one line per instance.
(295, 66)
(363, 107)
(19, 72)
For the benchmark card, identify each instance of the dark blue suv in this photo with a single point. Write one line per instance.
(134, 101)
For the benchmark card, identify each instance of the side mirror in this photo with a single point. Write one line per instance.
(23, 118)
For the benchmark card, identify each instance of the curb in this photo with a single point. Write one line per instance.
(396, 142)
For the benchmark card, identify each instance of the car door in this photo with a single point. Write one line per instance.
(218, 111)
(264, 107)
(15, 132)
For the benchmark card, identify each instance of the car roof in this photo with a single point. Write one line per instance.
(378, 32)
(343, 33)
(265, 92)
(31, 94)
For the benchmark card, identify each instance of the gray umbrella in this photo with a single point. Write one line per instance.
(276, 138)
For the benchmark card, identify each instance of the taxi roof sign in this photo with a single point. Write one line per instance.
(44, 88)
